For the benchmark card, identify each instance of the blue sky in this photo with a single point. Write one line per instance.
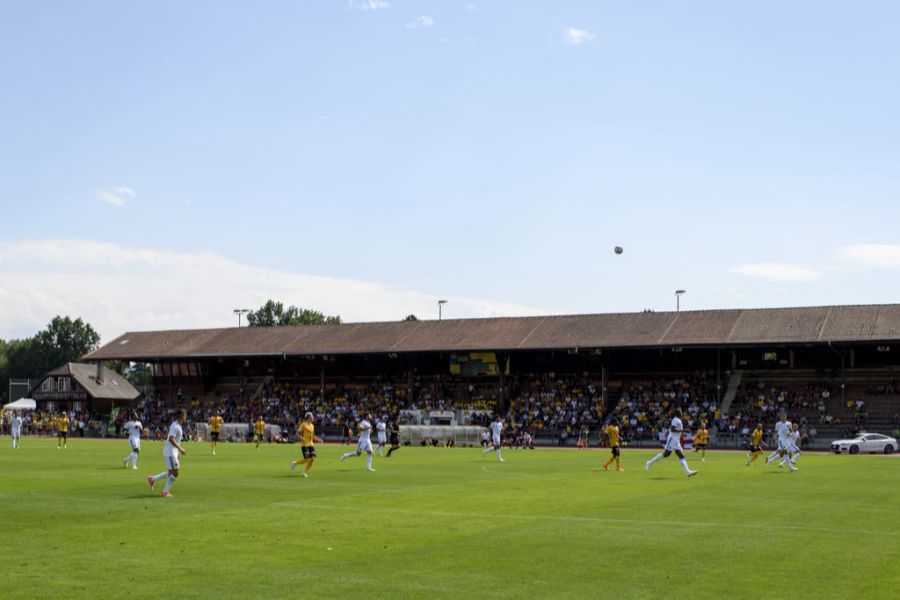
(161, 164)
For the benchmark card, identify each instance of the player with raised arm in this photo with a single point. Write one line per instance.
(612, 432)
(172, 450)
(381, 429)
(395, 438)
(673, 444)
(259, 431)
(308, 439)
(496, 438)
(134, 428)
(755, 444)
(364, 444)
(15, 429)
(215, 426)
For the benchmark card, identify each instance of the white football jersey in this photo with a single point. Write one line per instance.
(134, 429)
(783, 428)
(496, 428)
(365, 431)
(17, 425)
(174, 432)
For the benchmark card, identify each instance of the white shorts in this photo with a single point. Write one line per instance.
(364, 446)
(136, 446)
(792, 448)
(782, 445)
(171, 462)
(382, 438)
(496, 440)
(673, 443)
(15, 435)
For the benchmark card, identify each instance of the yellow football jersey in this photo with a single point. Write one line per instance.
(307, 433)
(613, 432)
(260, 427)
(63, 424)
(702, 436)
(757, 437)
(215, 423)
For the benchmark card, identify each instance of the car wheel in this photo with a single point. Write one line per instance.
(854, 449)
(888, 449)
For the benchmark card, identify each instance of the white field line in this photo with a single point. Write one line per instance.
(603, 520)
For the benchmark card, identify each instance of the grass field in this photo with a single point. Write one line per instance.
(443, 523)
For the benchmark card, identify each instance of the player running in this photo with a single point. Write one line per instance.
(793, 447)
(381, 429)
(496, 438)
(364, 444)
(701, 441)
(755, 444)
(172, 450)
(395, 438)
(612, 432)
(15, 429)
(783, 429)
(259, 431)
(308, 440)
(215, 426)
(673, 444)
(134, 428)
(62, 430)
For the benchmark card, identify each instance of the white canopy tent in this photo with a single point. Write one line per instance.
(21, 404)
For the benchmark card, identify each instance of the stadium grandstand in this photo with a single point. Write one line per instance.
(834, 369)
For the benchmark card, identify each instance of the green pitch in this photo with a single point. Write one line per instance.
(443, 523)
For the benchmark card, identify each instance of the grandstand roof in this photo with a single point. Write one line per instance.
(870, 323)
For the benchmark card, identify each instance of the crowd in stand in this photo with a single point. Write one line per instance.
(565, 407)
(645, 408)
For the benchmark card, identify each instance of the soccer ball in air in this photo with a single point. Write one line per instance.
(618, 250)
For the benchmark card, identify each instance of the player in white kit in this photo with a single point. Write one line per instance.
(793, 447)
(15, 429)
(171, 452)
(496, 437)
(134, 428)
(364, 444)
(381, 429)
(783, 429)
(673, 444)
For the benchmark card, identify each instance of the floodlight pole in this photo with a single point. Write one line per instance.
(239, 312)
(678, 294)
(441, 304)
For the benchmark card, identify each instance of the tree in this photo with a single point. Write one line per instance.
(63, 341)
(274, 314)
(411, 318)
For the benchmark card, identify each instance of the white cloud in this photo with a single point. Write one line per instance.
(119, 288)
(471, 7)
(420, 21)
(778, 272)
(882, 256)
(369, 4)
(116, 196)
(575, 36)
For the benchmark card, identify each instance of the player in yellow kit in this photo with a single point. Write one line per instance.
(755, 444)
(215, 426)
(308, 439)
(260, 431)
(701, 441)
(62, 430)
(612, 432)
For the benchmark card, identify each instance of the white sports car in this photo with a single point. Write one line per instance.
(865, 442)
